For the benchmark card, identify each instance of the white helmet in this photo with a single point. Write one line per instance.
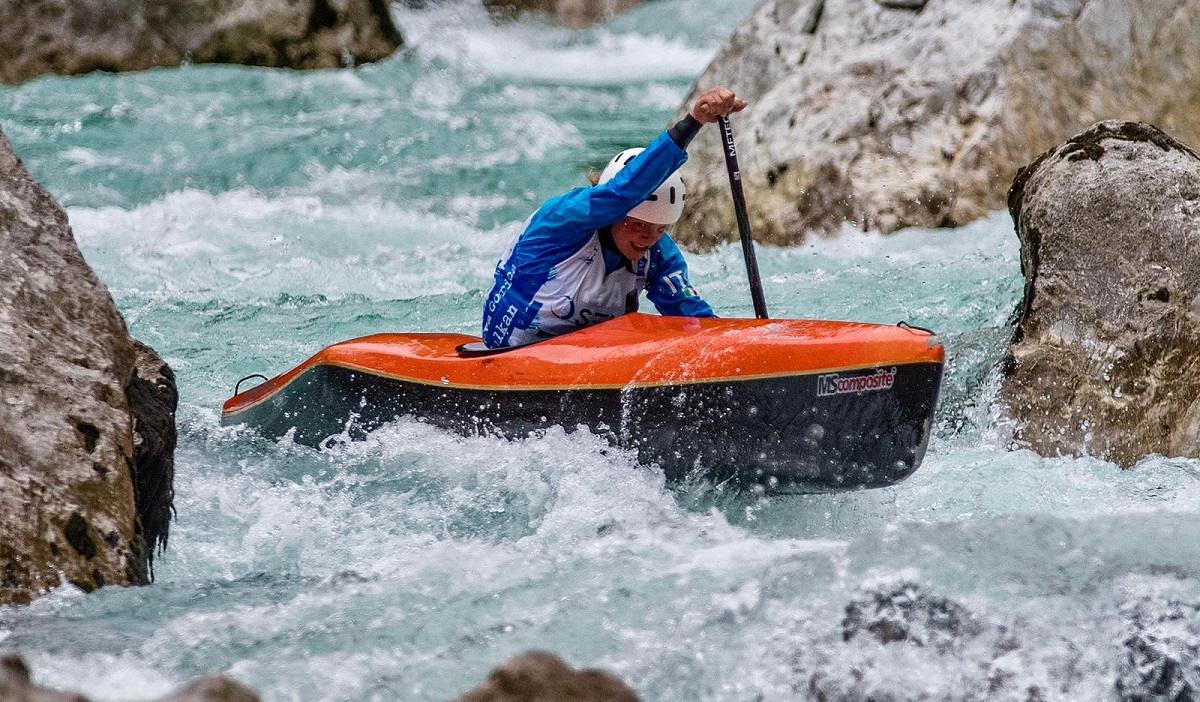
(664, 206)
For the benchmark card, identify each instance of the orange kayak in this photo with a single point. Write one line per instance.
(792, 405)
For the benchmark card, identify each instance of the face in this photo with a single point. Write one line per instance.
(633, 237)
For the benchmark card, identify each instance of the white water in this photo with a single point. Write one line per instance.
(245, 218)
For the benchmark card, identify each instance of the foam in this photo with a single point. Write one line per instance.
(242, 243)
(463, 36)
(406, 565)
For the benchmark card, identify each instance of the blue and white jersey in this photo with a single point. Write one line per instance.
(557, 276)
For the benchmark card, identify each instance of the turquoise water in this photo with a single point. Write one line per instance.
(244, 218)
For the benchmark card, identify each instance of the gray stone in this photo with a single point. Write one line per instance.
(904, 613)
(67, 446)
(536, 676)
(67, 37)
(1161, 652)
(937, 629)
(887, 118)
(1106, 359)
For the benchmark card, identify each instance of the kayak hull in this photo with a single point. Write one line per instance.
(733, 415)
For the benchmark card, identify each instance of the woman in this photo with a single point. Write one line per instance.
(585, 256)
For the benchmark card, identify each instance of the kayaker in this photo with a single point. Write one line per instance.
(585, 256)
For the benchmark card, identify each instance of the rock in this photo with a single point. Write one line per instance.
(16, 686)
(1106, 358)
(904, 613)
(1162, 651)
(152, 400)
(212, 688)
(888, 117)
(903, 4)
(1152, 671)
(536, 676)
(893, 630)
(67, 37)
(573, 14)
(67, 444)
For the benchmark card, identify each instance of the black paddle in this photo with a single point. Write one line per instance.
(739, 209)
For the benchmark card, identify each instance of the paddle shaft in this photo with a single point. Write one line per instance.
(743, 221)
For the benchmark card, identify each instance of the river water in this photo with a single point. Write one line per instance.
(244, 218)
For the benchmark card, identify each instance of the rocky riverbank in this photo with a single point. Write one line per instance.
(67, 38)
(886, 114)
(87, 414)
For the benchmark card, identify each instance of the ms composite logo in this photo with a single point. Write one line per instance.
(834, 384)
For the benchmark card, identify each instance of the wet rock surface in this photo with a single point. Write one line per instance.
(1161, 658)
(900, 113)
(543, 677)
(891, 630)
(906, 613)
(1106, 359)
(69, 37)
(68, 449)
(153, 399)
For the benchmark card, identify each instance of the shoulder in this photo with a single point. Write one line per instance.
(667, 245)
(666, 252)
(562, 222)
(546, 242)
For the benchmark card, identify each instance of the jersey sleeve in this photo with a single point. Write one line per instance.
(611, 202)
(667, 285)
(564, 223)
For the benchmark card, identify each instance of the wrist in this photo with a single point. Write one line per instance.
(685, 130)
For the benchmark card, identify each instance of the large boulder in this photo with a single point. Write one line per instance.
(87, 429)
(1106, 359)
(67, 37)
(896, 113)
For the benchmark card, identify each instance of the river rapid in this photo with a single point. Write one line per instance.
(244, 218)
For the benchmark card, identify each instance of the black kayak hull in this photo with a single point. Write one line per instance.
(771, 432)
